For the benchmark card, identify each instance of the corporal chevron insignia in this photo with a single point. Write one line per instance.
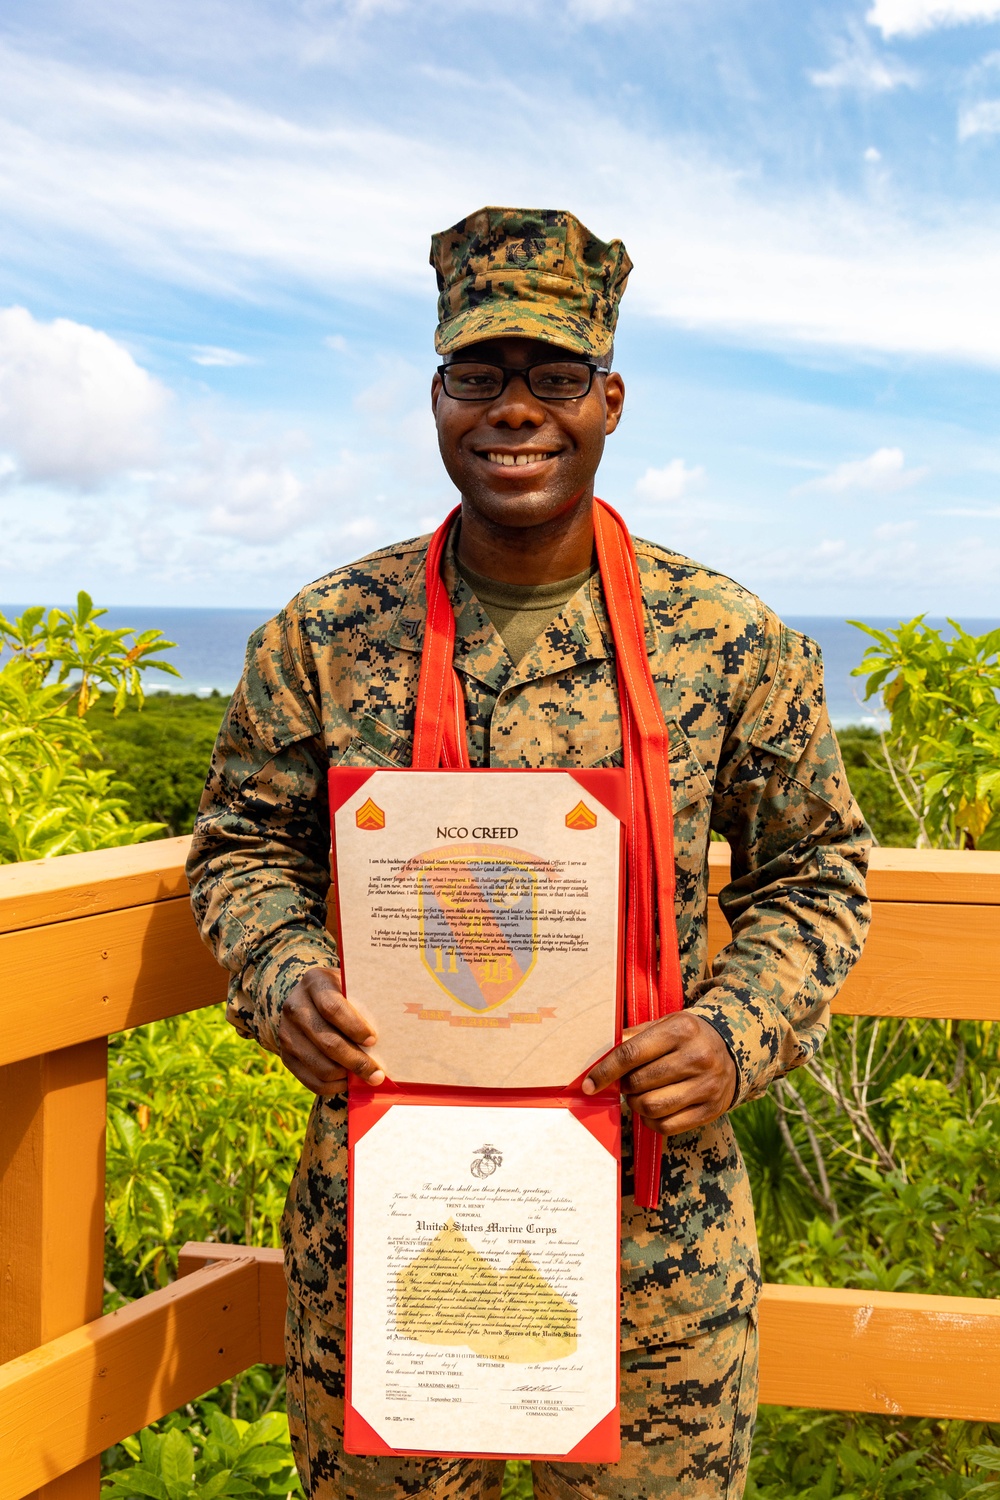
(581, 818)
(370, 816)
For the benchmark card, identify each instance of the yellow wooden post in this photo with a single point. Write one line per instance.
(52, 1131)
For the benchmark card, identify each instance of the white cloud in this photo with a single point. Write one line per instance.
(211, 354)
(882, 472)
(337, 343)
(197, 189)
(872, 154)
(913, 17)
(74, 405)
(266, 493)
(251, 493)
(979, 512)
(891, 531)
(599, 10)
(672, 482)
(979, 119)
(858, 66)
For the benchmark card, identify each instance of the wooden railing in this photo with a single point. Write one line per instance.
(93, 943)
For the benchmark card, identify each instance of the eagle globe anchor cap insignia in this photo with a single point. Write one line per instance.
(485, 1161)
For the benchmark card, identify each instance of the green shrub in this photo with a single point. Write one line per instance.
(942, 747)
(872, 784)
(162, 752)
(55, 797)
(204, 1130)
(214, 1458)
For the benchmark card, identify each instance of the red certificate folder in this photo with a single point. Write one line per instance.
(479, 1013)
(602, 1119)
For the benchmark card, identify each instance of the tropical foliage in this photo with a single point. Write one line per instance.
(55, 797)
(203, 1135)
(162, 753)
(204, 1131)
(207, 1457)
(942, 746)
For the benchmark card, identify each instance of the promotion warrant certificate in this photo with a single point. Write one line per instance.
(483, 1295)
(479, 916)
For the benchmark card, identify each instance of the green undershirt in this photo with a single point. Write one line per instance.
(519, 612)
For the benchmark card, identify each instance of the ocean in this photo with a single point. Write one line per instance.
(211, 642)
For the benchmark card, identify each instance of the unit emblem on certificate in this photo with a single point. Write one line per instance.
(478, 925)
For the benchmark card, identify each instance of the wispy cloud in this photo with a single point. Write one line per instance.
(210, 355)
(599, 10)
(672, 482)
(914, 17)
(978, 512)
(197, 189)
(882, 472)
(857, 65)
(891, 531)
(979, 119)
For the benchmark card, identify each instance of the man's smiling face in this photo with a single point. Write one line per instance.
(517, 460)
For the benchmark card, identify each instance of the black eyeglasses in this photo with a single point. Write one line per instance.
(561, 380)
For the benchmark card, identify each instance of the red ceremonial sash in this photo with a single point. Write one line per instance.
(653, 984)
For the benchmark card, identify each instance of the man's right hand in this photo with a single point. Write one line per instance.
(321, 1035)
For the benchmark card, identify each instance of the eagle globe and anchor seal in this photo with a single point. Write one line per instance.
(485, 1161)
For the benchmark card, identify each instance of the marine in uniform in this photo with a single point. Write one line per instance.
(523, 402)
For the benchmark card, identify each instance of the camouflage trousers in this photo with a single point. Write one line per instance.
(687, 1412)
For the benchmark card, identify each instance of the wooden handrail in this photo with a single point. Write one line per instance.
(887, 1352)
(117, 924)
(93, 943)
(65, 1402)
(84, 885)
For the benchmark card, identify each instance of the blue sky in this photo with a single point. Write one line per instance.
(216, 311)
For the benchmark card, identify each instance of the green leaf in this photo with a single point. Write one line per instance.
(151, 1442)
(215, 1486)
(266, 1430)
(140, 1481)
(224, 1430)
(262, 1460)
(177, 1461)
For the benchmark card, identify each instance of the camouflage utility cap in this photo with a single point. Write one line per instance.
(534, 272)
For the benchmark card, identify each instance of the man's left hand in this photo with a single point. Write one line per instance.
(677, 1073)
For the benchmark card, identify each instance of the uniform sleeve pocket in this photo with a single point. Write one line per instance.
(792, 708)
(275, 687)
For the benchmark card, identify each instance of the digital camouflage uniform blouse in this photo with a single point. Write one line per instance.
(332, 680)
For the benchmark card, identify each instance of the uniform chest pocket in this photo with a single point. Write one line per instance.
(375, 744)
(688, 782)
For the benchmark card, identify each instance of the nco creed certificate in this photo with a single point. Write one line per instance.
(483, 1301)
(479, 917)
